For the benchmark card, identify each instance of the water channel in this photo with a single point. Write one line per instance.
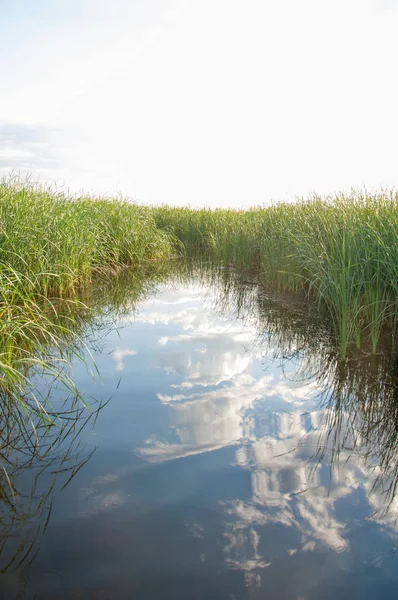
(234, 456)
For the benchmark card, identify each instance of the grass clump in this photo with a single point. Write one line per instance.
(53, 242)
(49, 246)
(342, 251)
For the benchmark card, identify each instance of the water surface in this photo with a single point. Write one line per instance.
(237, 457)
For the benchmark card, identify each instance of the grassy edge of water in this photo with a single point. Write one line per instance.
(341, 251)
(50, 246)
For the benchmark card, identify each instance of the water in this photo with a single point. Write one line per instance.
(237, 458)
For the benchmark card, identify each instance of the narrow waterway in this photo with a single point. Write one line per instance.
(234, 457)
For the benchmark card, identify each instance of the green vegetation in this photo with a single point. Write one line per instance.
(50, 247)
(69, 266)
(51, 244)
(341, 251)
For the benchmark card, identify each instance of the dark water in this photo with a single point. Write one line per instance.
(237, 458)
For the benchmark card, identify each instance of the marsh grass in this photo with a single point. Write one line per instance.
(341, 251)
(52, 243)
(51, 246)
(356, 414)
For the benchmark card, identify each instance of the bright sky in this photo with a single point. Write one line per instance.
(201, 102)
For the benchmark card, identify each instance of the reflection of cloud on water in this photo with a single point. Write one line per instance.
(255, 562)
(220, 403)
(176, 307)
(288, 493)
(158, 451)
(206, 420)
(223, 416)
(190, 309)
(377, 502)
(119, 355)
(286, 490)
(104, 493)
(206, 359)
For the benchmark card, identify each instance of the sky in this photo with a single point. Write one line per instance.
(201, 102)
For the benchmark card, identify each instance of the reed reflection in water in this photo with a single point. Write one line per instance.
(239, 456)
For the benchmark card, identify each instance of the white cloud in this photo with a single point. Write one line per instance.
(206, 103)
(388, 4)
(64, 54)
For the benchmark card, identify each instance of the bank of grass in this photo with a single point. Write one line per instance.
(340, 250)
(50, 245)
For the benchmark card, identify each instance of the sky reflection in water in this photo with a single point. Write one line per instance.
(237, 459)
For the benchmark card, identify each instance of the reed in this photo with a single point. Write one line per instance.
(50, 246)
(54, 242)
(341, 251)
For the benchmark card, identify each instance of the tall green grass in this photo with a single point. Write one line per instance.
(51, 245)
(341, 250)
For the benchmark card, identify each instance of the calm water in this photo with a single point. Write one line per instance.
(236, 459)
